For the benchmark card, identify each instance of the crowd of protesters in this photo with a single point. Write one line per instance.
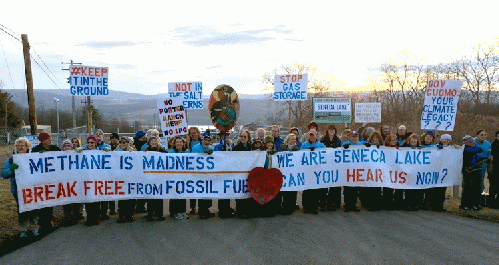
(478, 159)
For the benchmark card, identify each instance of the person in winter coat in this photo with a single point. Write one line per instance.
(472, 161)
(481, 142)
(178, 206)
(245, 208)
(310, 197)
(126, 208)
(155, 206)
(289, 197)
(45, 215)
(140, 140)
(224, 209)
(204, 147)
(277, 139)
(27, 219)
(494, 175)
(330, 199)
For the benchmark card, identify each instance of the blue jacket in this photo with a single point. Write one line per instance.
(307, 145)
(278, 143)
(173, 151)
(199, 148)
(8, 173)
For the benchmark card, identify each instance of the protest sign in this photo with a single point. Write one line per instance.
(440, 105)
(224, 107)
(33, 139)
(332, 110)
(290, 87)
(191, 93)
(403, 168)
(368, 112)
(264, 184)
(172, 116)
(88, 80)
(58, 178)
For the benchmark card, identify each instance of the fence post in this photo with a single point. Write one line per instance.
(8, 138)
(455, 191)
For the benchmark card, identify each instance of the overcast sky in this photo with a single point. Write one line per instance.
(147, 44)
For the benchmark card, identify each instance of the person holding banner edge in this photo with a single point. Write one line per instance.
(204, 147)
(45, 215)
(29, 218)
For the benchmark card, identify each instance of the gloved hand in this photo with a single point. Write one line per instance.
(367, 144)
(346, 146)
(79, 149)
(106, 149)
(377, 146)
(312, 148)
(273, 152)
(14, 166)
(42, 151)
(208, 151)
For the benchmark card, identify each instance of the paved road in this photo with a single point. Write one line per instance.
(328, 238)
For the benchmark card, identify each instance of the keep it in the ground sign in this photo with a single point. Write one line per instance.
(88, 80)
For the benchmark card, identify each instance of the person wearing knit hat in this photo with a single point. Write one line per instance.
(114, 141)
(204, 147)
(402, 134)
(445, 139)
(311, 126)
(428, 140)
(45, 215)
(470, 198)
(257, 144)
(310, 197)
(67, 145)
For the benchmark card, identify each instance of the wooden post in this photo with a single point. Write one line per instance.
(89, 117)
(29, 84)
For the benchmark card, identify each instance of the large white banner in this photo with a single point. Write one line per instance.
(290, 87)
(55, 178)
(404, 168)
(440, 105)
(88, 80)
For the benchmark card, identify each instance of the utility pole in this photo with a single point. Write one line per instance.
(89, 114)
(72, 97)
(29, 84)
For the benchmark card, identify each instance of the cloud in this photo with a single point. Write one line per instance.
(209, 35)
(107, 44)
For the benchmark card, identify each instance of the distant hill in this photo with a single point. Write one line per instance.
(135, 106)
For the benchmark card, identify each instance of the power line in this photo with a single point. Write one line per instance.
(7, 64)
(34, 57)
(45, 64)
(10, 34)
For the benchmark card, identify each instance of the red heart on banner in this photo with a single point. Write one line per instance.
(264, 184)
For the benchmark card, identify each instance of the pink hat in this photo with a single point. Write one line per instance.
(92, 137)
